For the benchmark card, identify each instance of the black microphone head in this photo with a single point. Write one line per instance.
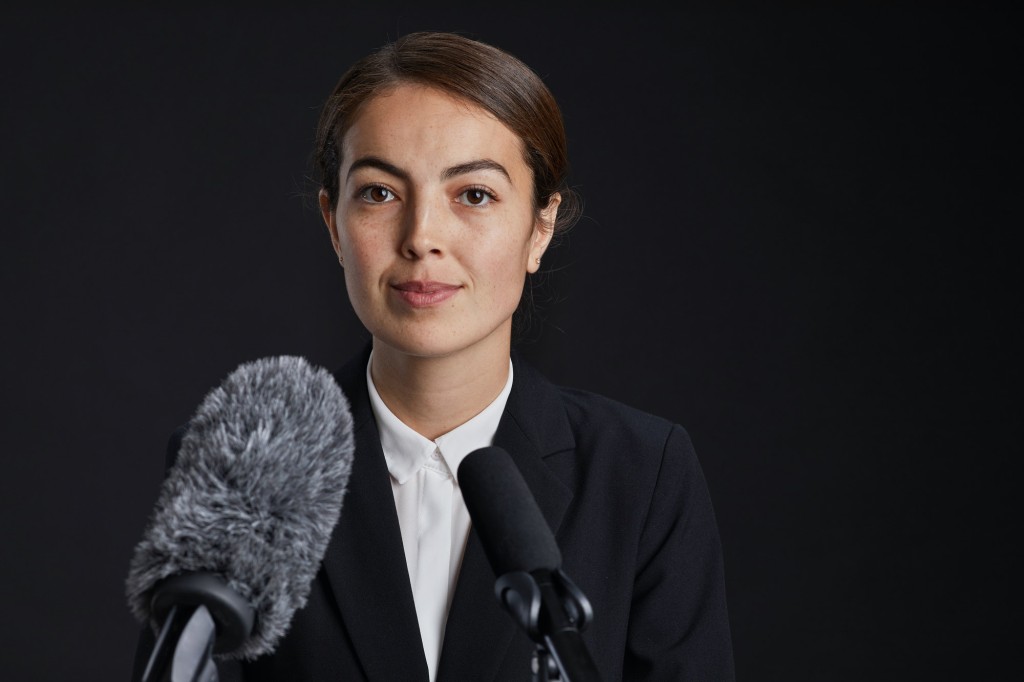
(254, 493)
(514, 533)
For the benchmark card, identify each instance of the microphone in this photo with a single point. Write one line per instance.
(243, 518)
(522, 550)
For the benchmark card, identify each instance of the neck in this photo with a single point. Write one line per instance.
(433, 395)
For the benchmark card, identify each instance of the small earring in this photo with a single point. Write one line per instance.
(341, 260)
(538, 260)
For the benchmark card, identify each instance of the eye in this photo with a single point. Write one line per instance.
(476, 196)
(376, 194)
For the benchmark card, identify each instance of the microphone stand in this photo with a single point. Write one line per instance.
(200, 615)
(552, 611)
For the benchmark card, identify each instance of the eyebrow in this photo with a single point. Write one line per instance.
(446, 174)
(472, 167)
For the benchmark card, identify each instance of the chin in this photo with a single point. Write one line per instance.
(417, 345)
(439, 344)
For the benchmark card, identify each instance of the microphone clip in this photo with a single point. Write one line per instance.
(194, 616)
(522, 594)
(552, 611)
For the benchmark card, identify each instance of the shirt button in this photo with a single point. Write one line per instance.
(435, 455)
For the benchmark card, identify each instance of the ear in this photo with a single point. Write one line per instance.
(332, 225)
(543, 231)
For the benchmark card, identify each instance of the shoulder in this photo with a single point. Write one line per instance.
(596, 409)
(560, 416)
(623, 457)
(595, 417)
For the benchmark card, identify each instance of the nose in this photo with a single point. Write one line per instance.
(423, 232)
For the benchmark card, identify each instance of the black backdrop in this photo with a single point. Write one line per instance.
(796, 243)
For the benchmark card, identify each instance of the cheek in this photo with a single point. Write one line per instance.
(365, 254)
(507, 267)
(363, 243)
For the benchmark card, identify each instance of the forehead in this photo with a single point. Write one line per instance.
(417, 126)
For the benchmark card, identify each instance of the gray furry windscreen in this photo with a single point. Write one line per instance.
(254, 494)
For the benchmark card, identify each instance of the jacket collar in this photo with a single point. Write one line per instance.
(365, 561)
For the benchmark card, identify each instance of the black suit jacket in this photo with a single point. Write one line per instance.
(623, 492)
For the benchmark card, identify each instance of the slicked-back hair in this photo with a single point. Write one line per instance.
(472, 71)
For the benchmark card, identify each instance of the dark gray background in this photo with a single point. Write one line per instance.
(796, 243)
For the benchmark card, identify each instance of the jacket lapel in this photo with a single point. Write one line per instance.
(532, 427)
(365, 561)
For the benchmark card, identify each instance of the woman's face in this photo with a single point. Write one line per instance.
(435, 223)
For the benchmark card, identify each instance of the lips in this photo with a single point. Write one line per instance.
(423, 294)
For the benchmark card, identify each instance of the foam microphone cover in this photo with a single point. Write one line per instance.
(254, 494)
(505, 515)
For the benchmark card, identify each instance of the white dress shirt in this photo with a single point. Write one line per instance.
(431, 512)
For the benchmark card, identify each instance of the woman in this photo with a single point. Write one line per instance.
(443, 165)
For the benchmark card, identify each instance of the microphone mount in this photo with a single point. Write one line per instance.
(195, 615)
(552, 611)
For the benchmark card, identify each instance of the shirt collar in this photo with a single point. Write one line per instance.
(406, 451)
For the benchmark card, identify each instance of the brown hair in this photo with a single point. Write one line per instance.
(471, 70)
